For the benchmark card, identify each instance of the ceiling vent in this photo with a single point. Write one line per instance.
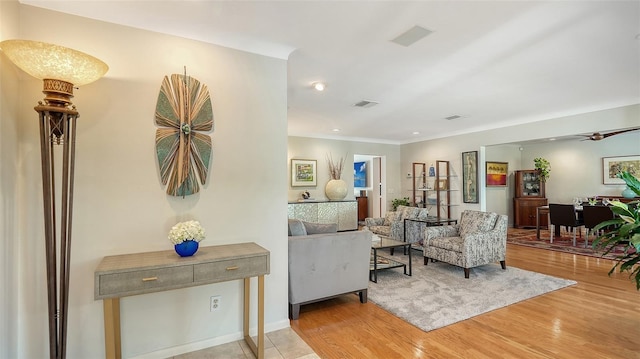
(454, 117)
(365, 104)
(411, 36)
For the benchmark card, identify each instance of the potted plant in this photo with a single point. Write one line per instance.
(543, 167)
(624, 231)
(400, 202)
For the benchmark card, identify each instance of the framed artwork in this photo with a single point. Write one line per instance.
(611, 166)
(359, 174)
(470, 177)
(442, 184)
(497, 173)
(303, 173)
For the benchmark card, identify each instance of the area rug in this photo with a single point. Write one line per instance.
(564, 243)
(437, 295)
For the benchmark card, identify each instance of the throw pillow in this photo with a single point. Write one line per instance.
(389, 218)
(317, 228)
(296, 228)
(476, 221)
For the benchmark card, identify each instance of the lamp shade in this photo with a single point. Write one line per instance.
(48, 61)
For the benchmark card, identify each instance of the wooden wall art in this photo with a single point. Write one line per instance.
(183, 111)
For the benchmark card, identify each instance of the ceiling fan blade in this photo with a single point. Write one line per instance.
(619, 132)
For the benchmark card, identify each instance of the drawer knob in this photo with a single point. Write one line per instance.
(149, 279)
(232, 268)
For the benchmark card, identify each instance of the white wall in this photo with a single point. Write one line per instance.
(576, 166)
(451, 148)
(120, 205)
(317, 149)
(9, 187)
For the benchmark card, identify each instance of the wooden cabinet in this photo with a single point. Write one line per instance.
(528, 184)
(525, 212)
(528, 196)
(363, 208)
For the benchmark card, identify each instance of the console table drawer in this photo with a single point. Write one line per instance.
(144, 281)
(225, 270)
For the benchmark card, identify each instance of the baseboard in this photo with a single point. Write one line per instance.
(203, 344)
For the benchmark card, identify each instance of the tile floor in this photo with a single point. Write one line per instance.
(281, 344)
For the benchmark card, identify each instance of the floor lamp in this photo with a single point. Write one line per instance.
(60, 69)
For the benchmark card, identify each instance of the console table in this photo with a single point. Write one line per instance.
(140, 273)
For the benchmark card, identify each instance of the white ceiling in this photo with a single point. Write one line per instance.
(492, 62)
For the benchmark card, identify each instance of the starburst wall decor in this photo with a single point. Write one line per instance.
(183, 111)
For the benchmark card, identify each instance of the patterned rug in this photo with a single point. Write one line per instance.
(564, 243)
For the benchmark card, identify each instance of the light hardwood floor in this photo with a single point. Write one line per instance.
(597, 318)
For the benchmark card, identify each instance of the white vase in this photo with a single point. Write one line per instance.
(336, 189)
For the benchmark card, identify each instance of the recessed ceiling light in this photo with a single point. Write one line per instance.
(336, 130)
(416, 132)
(552, 139)
(319, 86)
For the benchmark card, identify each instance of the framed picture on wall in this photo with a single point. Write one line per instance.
(497, 173)
(470, 177)
(359, 174)
(303, 173)
(611, 166)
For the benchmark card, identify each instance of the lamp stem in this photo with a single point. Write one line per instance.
(57, 125)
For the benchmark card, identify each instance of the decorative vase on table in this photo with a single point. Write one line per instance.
(336, 189)
(186, 248)
(628, 193)
(186, 236)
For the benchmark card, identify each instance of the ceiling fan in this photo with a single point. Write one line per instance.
(597, 136)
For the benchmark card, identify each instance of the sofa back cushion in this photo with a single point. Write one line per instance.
(302, 228)
(476, 221)
(390, 218)
(319, 228)
(296, 228)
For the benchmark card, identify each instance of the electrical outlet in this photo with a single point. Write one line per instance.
(215, 303)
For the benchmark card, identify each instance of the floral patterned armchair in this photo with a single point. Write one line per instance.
(480, 238)
(393, 224)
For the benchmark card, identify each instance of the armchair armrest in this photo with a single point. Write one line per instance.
(441, 231)
(397, 230)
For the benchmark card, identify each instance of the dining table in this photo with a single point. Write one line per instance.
(544, 210)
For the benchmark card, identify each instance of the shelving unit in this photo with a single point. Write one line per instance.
(432, 190)
(419, 184)
(443, 190)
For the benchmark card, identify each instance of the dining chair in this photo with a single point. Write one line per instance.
(564, 215)
(594, 215)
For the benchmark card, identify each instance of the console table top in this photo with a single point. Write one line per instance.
(169, 258)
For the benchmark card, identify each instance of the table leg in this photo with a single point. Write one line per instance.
(375, 266)
(111, 312)
(538, 223)
(258, 347)
(410, 260)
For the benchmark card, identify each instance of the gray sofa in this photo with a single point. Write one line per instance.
(480, 238)
(324, 263)
(393, 224)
